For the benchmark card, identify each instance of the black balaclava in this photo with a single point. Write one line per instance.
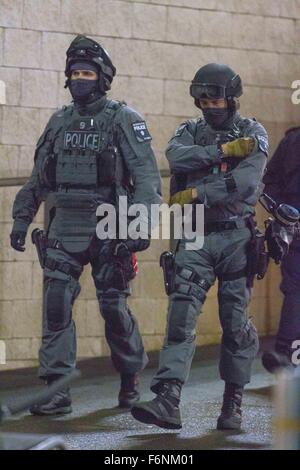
(218, 118)
(86, 54)
(84, 91)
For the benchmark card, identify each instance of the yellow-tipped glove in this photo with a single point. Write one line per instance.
(184, 197)
(239, 147)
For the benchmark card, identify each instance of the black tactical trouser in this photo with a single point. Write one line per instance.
(223, 256)
(58, 350)
(289, 326)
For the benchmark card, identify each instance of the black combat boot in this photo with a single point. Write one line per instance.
(60, 403)
(129, 391)
(231, 413)
(275, 360)
(163, 410)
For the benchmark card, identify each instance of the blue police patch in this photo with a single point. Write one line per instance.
(141, 132)
(263, 143)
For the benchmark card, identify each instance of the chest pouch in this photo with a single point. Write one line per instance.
(77, 162)
(107, 166)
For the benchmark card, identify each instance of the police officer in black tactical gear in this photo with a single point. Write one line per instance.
(282, 183)
(91, 152)
(217, 161)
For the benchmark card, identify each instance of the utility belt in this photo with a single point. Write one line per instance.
(86, 188)
(221, 226)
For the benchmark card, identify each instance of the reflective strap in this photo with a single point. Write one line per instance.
(191, 276)
(65, 268)
(187, 289)
(183, 288)
(233, 276)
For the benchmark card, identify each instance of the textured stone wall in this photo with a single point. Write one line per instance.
(156, 46)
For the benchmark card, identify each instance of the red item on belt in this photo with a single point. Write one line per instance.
(134, 263)
(223, 167)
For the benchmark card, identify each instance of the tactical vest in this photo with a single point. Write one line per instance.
(86, 170)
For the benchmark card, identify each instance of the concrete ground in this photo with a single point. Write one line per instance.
(96, 422)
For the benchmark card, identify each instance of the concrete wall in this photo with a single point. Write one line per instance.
(156, 46)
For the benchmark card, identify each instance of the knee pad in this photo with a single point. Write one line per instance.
(181, 321)
(244, 338)
(117, 316)
(59, 298)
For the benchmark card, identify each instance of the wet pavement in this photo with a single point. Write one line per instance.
(96, 422)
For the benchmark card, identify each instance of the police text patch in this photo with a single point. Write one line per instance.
(141, 132)
(81, 140)
(263, 143)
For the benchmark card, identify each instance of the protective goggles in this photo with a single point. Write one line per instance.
(207, 90)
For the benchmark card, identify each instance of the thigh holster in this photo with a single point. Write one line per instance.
(188, 282)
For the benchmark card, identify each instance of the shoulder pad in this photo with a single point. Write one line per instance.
(126, 112)
(180, 129)
(247, 121)
(190, 125)
(115, 104)
(200, 122)
(292, 129)
(133, 124)
(63, 111)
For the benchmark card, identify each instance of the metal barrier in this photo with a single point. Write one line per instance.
(15, 441)
(287, 411)
(18, 441)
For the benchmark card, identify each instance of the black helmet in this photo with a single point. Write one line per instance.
(84, 49)
(215, 81)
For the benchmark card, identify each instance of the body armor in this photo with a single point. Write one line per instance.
(81, 170)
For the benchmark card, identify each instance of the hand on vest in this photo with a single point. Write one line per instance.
(184, 197)
(17, 240)
(238, 147)
(125, 248)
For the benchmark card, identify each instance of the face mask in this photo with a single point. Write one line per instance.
(216, 117)
(81, 89)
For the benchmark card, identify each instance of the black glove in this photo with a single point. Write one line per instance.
(125, 248)
(17, 240)
(278, 240)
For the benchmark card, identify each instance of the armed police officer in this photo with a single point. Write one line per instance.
(91, 152)
(282, 183)
(217, 161)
